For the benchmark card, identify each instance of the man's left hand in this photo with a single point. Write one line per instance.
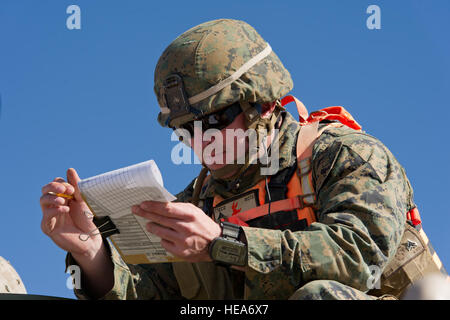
(185, 230)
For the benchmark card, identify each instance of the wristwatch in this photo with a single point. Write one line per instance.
(227, 249)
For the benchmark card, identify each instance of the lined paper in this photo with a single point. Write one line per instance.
(114, 193)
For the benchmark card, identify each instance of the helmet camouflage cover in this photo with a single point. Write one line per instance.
(214, 65)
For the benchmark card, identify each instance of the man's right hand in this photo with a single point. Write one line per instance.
(65, 221)
(68, 222)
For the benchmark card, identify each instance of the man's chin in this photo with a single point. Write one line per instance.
(215, 166)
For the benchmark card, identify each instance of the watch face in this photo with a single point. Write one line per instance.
(229, 251)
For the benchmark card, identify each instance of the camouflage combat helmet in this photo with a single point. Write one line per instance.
(214, 65)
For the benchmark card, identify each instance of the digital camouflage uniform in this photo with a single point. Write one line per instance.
(363, 195)
(362, 191)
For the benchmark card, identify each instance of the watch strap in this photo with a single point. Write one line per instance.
(229, 237)
(230, 230)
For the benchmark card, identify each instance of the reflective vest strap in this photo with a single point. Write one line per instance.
(305, 142)
(413, 215)
(280, 205)
(334, 113)
(307, 213)
(301, 109)
(306, 186)
(306, 139)
(301, 193)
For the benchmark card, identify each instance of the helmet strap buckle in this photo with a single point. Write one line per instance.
(175, 96)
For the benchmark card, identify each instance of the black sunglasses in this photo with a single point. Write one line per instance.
(218, 120)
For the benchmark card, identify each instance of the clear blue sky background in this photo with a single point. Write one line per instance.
(84, 98)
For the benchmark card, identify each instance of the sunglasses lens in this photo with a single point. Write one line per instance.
(223, 118)
(218, 120)
(189, 127)
(212, 120)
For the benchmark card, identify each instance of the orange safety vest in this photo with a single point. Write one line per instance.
(294, 207)
(297, 210)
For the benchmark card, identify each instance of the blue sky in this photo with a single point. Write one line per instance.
(84, 98)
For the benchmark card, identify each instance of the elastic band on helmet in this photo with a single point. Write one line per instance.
(239, 72)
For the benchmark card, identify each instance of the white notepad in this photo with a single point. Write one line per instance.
(113, 194)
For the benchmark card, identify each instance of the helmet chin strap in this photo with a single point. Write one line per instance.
(263, 128)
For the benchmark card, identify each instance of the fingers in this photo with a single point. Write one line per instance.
(171, 247)
(58, 185)
(183, 242)
(73, 179)
(177, 210)
(50, 218)
(55, 212)
(164, 232)
(184, 229)
(172, 223)
(49, 200)
(168, 229)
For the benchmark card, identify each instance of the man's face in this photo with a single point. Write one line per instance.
(216, 148)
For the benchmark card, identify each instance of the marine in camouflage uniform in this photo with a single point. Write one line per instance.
(362, 191)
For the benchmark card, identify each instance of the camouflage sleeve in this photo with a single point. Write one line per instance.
(142, 281)
(131, 282)
(363, 195)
